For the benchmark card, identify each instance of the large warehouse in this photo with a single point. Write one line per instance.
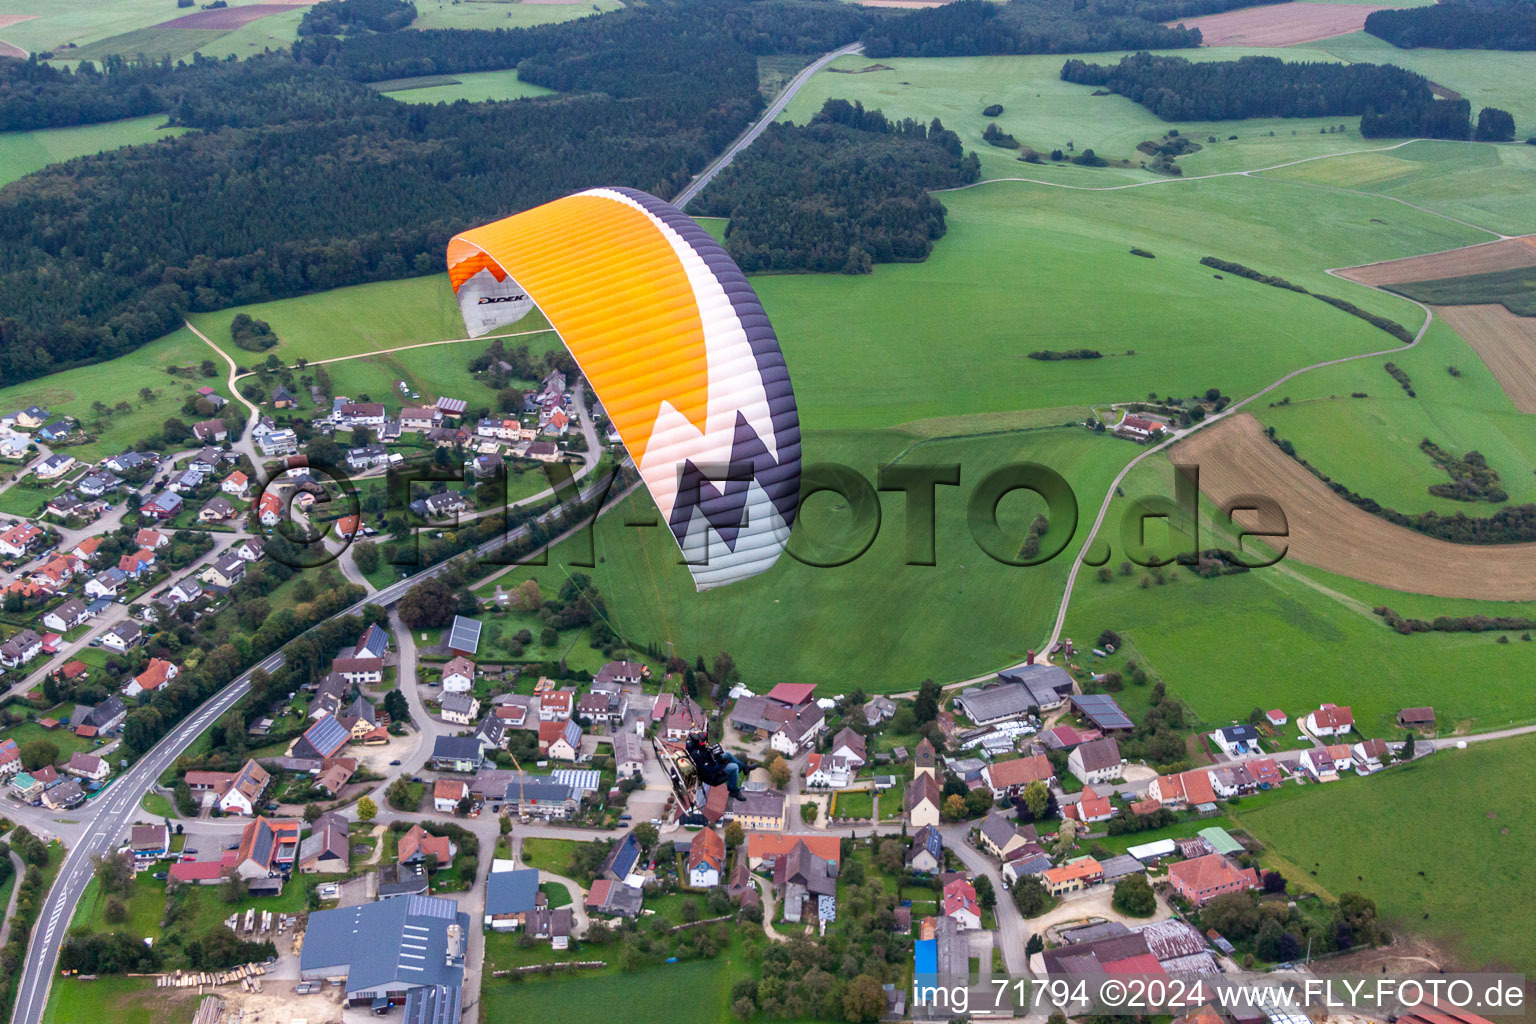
(389, 949)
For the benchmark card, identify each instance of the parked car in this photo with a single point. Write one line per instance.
(394, 764)
(161, 876)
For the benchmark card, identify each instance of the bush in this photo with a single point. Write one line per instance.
(992, 111)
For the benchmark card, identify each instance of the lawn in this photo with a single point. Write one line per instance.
(1480, 795)
(860, 805)
(648, 996)
(146, 906)
(67, 742)
(476, 87)
(158, 805)
(118, 999)
(430, 371)
(74, 392)
(26, 498)
(552, 855)
(55, 24)
(557, 894)
(21, 153)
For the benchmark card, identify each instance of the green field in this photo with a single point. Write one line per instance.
(876, 620)
(21, 153)
(502, 13)
(119, 999)
(54, 23)
(74, 392)
(1499, 78)
(1042, 111)
(1491, 186)
(431, 371)
(1026, 266)
(1480, 795)
(1470, 412)
(360, 319)
(484, 85)
(649, 996)
(1292, 636)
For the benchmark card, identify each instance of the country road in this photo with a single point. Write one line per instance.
(772, 111)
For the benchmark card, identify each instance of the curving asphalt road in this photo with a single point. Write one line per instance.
(772, 111)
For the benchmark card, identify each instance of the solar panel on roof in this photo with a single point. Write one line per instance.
(1103, 710)
(465, 635)
(327, 734)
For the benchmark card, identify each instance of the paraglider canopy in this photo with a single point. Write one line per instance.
(677, 348)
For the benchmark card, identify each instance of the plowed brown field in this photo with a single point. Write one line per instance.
(1505, 254)
(1279, 24)
(1235, 458)
(1505, 342)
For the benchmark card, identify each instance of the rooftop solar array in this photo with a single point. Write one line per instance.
(1101, 709)
(465, 635)
(327, 735)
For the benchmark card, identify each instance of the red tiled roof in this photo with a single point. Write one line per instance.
(792, 693)
(775, 844)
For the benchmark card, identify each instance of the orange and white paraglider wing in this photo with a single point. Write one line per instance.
(678, 349)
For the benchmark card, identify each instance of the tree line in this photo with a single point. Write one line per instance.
(339, 17)
(1458, 25)
(846, 191)
(978, 27)
(304, 180)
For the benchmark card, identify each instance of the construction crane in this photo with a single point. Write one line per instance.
(522, 803)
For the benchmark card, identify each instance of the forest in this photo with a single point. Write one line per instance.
(1458, 25)
(305, 180)
(340, 17)
(840, 194)
(1389, 100)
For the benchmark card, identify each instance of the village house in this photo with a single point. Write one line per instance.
(1095, 762)
(53, 467)
(1204, 878)
(155, 675)
(463, 709)
(926, 853)
(1009, 778)
(267, 849)
(762, 810)
(122, 637)
(447, 793)
(20, 649)
(418, 845)
(1001, 835)
(960, 904)
(66, 616)
(560, 741)
(458, 675)
(1090, 807)
(1330, 720)
(706, 859)
(208, 431)
(628, 755)
(1072, 876)
(799, 733)
(17, 540)
(327, 848)
(556, 705)
(88, 766)
(242, 795)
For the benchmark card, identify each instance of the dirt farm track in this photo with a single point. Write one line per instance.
(1235, 458)
(1279, 24)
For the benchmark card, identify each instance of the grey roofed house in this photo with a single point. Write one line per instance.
(1099, 754)
(627, 748)
(1089, 958)
(511, 892)
(1103, 711)
(374, 642)
(995, 703)
(620, 899)
(758, 714)
(401, 880)
(457, 703)
(387, 948)
(1094, 932)
(927, 840)
(492, 732)
(1121, 866)
(999, 829)
(363, 708)
(501, 784)
(1032, 865)
(1048, 685)
(328, 838)
(763, 803)
(128, 631)
(456, 748)
(219, 506)
(103, 716)
(878, 710)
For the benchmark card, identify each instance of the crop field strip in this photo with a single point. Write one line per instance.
(1235, 458)
(1280, 24)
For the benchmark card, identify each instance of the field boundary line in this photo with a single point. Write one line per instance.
(397, 348)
